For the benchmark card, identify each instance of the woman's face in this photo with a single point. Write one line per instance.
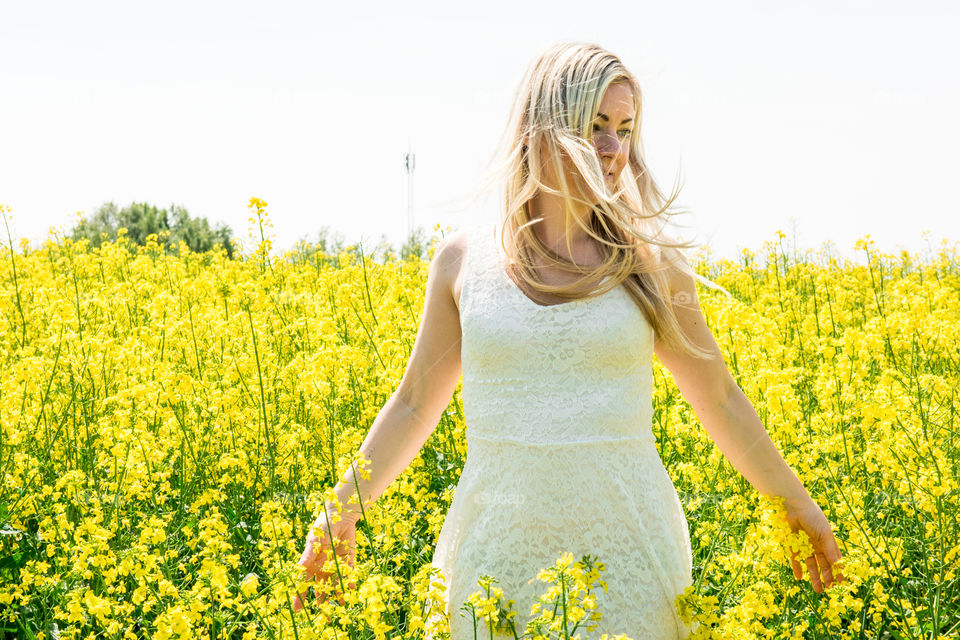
(611, 139)
(612, 129)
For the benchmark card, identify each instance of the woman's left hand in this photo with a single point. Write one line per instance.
(806, 514)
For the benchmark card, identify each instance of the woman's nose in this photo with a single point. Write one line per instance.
(606, 145)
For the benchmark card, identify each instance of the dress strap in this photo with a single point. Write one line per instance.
(477, 281)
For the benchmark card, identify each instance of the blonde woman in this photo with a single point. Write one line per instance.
(552, 315)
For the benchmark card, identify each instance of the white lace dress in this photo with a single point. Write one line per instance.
(560, 455)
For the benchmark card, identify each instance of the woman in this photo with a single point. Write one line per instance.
(556, 311)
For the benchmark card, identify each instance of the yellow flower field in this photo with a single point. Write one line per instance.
(171, 424)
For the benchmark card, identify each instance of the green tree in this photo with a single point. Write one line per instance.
(331, 245)
(325, 242)
(381, 253)
(141, 219)
(417, 244)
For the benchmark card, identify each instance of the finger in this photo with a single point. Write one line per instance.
(795, 565)
(319, 577)
(838, 571)
(811, 563)
(826, 571)
(300, 600)
(835, 558)
(351, 584)
(333, 587)
(308, 574)
(321, 590)
(827, 553)
(325, 574)
(323, 594)
(325, 586)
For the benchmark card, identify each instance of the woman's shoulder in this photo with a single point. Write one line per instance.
(673, 261)
(450, 254)
(452, 248)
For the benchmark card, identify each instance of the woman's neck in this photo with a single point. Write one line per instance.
(551, 230)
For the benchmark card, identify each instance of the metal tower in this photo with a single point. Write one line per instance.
(409, 163)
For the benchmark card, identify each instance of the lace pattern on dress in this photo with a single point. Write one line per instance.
(560, 454)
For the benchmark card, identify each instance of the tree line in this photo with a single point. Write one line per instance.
(174, 225)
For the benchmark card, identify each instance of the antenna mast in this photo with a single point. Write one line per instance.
(409, 163)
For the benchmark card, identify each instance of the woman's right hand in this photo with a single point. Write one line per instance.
(825, 563)
(316, 553)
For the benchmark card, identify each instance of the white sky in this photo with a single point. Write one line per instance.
(839, 115)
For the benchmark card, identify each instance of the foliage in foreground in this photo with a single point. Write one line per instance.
(170, 424)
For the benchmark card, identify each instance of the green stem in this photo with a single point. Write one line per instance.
(16, 284)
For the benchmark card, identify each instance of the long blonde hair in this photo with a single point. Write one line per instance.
(556, 103)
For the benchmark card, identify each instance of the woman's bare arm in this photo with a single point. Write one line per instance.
(724, 411)
(733, 424)
(412, 413)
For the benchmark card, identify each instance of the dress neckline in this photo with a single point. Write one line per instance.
(502, 273)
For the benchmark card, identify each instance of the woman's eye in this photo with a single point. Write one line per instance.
(623, 132)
